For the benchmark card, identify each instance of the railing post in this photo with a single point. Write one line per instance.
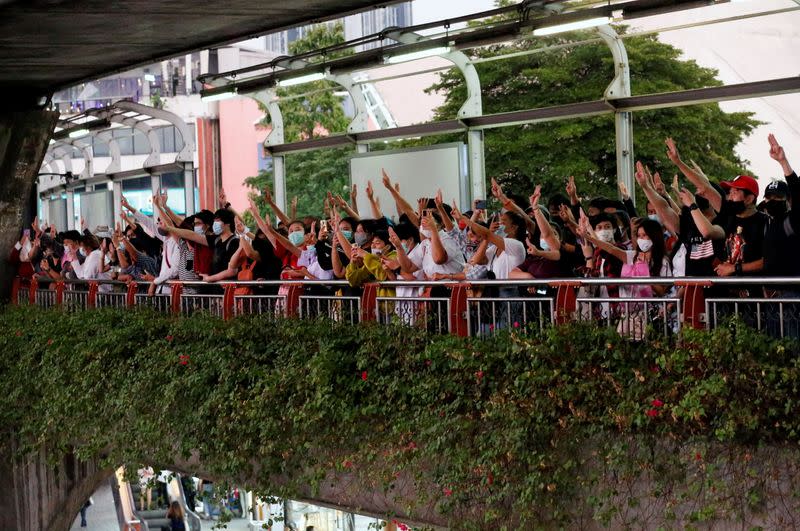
(458, 310)
(176, 291)
(694, 303)
(34, 289)
(15, 291)
(59, 293)
(369, 302)
(130, 299)
(293, 293)
(91, 297)
(566, 300)
(227, 301)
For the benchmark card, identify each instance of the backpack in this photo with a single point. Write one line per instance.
(245, 274)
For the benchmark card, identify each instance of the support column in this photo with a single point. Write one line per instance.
(623, 125)
(70, 210)
(188, 188)
(477, 168)
(279, 171)
(117, 192)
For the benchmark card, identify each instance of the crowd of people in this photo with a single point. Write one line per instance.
(702, 229)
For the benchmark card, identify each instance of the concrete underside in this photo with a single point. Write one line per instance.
(52, 44)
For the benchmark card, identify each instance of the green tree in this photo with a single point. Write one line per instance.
(311, 110)
(547, 153)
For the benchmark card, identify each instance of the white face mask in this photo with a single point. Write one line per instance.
(107, 260)
(82, 252)
(654, 217)
(376, 251)
(644, 245)
(543, 245)
(199, 229)
(217, 228)
(425, 232)
(606, 235)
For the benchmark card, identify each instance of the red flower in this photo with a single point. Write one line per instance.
(364, 375)
(49, 341)
(184, 359)
(490, 478)
(412, 445)
(427, 363)
(654, 368)
(18, 333)
(652, 412)
(698, 456)
(516, 324)
(491, 328)
(479, 374)
(347, 464)
(657, 403)
(169, 338)
(447, 492)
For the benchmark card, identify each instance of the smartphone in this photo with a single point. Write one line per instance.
(27, 233)
(323, 225)
(480, 204)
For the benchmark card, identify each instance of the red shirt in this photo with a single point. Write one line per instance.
(203, 257)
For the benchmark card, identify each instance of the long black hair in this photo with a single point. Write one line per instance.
(655, 232)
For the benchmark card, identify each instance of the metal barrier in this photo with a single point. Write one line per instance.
(478, 308)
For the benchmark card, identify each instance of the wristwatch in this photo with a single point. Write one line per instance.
(693, 206)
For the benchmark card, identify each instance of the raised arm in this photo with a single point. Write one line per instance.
(188, 235)
(508, 204)
(546, 231)
(406, 265)
(275, 208)
(446, 220)
(588, 234)
(482, 231)
(336, 260)
(695, 176)
(707, 230)
(403, 206)
(668, 216)
(374, 202)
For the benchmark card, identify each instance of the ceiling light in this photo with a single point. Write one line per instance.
(220, 96)
(299, 80)
(150, 77)
(412, 56)
(572, 26)
(78, 133)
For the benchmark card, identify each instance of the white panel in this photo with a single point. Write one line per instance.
(420, 172)
(97, 208)
(57, 213)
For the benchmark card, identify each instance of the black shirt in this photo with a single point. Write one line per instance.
(782, 238)
(269, 265)
(223, 252)
(752, 232)
(701, 253)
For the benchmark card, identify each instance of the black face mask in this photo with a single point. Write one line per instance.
(162, 232)
(736, 207)
(776, 208)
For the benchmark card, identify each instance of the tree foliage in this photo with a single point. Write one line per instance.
(309, 111)
(547, 153)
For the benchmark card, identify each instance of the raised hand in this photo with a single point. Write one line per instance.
(686, 197)
(239, 225)
(532, 249)
(571, 188)
(697, 169)
(354, 193)
(394, 239)
(223, 199)
(623, 191)
(497, 190)
(385, 179)
(641, 176)
(455, 212)
(672, 151)
(775, 149)
(676, 185)
(164, 196)
(658, 184)
(535, 196)
(438, 198)
(267, 195)
(83, 224)
(565, 213)
(125, 204)
(370, 191)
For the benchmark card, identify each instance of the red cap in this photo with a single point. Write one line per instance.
(742, 182)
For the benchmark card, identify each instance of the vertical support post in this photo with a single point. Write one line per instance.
(369, 302)
(91, 298)
(155, 185)
(60, 293)
(117, 193)
(279, 170)
(15, 291)
(458, 310)
(33, 289)
(70, 210)
(176, 291)
(188, 188)
(227, 301)
(188, 72)
(130, 299)
(566, 303)
(477, 167)
(623, 126)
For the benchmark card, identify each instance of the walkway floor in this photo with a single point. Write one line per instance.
(102, 516)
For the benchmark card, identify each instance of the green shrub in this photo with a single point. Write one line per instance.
(570, 426)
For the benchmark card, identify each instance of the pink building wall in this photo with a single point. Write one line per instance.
(239, 141)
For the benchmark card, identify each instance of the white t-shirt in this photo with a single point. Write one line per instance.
(91, 267)
(502, 264)
(422, 257)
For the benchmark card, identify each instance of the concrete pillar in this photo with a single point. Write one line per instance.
(71, 210)
(24, 137)
(188, 188)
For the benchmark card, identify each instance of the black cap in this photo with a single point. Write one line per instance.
(779, 188)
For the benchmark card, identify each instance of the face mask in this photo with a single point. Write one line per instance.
(217, 228)
(376, 251)
(297, 237)
(121, 248)
(501, 231)
(605, 235)
(462, 224)
(68, 248)
(198, 229)
(361, 238)
(644, 245)
(654, 217)
(776, 208)
(82, 252)
(425, 232)
(107, 260)
(736, 207)
(348, 234)
(543, 245)
(161, 231)
(405, 246)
